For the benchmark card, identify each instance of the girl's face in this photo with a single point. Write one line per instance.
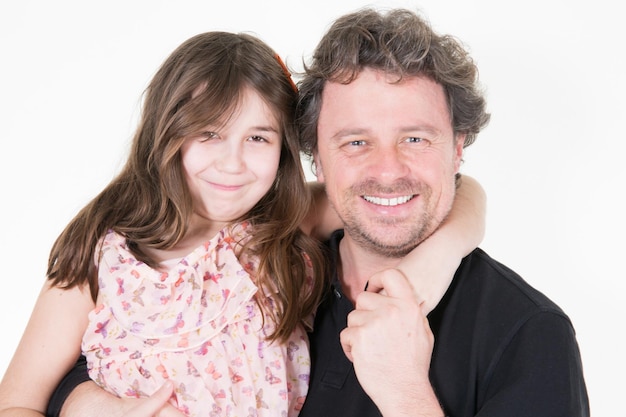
(229, 168)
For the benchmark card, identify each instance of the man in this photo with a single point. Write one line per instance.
(387, 107)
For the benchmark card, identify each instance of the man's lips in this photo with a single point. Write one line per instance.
(390, 202)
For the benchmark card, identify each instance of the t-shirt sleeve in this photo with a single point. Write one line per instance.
(539, 372)
(76, 376)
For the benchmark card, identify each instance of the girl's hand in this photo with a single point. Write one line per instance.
(89, 400)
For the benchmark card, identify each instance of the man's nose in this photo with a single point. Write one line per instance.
(388, 163)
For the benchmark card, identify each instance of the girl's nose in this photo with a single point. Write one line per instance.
(231, 160)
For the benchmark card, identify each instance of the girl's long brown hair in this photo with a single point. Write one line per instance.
(149, 202)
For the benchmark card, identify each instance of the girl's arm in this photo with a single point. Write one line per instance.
(322, 220)
(49, 347)
(430, 267)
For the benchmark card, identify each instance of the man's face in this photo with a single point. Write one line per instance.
(387, 154)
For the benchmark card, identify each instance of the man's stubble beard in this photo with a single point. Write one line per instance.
(388, 236)
(372, 234)
(375, 245)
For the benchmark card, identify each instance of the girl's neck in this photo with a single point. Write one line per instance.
(200, 231)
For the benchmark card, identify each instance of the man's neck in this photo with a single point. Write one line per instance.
(357, 265)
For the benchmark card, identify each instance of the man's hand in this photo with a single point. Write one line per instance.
(89, 400)
(390, 343)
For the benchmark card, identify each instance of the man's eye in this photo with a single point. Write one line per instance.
(415, 139)
(356, 143)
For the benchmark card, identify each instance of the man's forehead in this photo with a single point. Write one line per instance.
(412, 103)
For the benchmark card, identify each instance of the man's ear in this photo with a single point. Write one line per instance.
(318, 167)
(458, 151)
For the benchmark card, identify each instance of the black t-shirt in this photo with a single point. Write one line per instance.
(501, 349)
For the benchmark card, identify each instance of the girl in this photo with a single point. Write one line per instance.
(191, 265)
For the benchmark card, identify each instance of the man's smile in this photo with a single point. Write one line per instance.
(395, 201)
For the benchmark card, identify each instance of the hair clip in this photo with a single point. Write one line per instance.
(287, 73)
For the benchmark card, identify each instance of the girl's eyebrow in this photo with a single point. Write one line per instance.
(266, 128)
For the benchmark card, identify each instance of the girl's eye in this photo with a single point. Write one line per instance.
(204, 136)
(257, 139)
(207, 136)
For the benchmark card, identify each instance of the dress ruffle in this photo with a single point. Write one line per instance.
(197, 324)
(180, 309)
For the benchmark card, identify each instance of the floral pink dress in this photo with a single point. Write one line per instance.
(196, 324)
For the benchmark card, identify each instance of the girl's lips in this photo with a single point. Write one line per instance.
(225, 187)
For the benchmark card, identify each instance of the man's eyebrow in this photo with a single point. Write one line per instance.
(342, 133)
(425, 128)
(420, 128)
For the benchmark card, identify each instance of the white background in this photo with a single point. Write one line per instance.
(72, 72)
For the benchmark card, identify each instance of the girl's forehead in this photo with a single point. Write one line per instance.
(249, 104)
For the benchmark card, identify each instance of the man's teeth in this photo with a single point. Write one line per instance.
(388, 201)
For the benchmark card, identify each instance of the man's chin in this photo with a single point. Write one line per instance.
(390, 245)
